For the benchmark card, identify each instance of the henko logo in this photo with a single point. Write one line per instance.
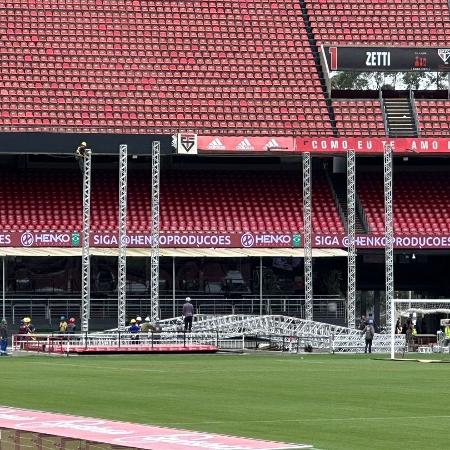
(27, 239)
(296, 240)
(75, 239)
(247, 240)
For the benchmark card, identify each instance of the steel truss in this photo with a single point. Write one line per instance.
(122, 260)
(307, 218)
(272, 324)
(320, 335)
(389, 231)
(154, 256)
(86, 257)
(351, 249)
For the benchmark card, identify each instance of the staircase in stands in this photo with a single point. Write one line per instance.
(400, 116)
(339, 186)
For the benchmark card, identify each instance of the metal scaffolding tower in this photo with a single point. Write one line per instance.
(86, 257)
(351, 248)
(122, 260)
(154, 258)
(389, 230)
(307, 216)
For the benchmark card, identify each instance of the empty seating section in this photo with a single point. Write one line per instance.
(434, 117)
(40, 201)
(255, 201)
(420, 202)
(213, 66)
(190, 201)
(396, 22)
(359, 118)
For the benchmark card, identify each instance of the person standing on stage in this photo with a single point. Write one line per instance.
(188, 314)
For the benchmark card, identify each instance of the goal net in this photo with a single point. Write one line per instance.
(417, 316)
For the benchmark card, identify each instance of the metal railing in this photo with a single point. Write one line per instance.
(412, 101)
(50, 309)
(362, 213)
(383, 112)
(202, 341)
(116, 341)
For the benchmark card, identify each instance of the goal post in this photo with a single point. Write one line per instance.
(422, 306)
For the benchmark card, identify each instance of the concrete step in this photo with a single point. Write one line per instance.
(400, 117)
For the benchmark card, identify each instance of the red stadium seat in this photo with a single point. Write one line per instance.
(390, 22)
(418, 202)
(359, 118)
(167, 54)
(434, 117)
(190, 201)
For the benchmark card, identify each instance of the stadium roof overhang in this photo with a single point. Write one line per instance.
(177, 252)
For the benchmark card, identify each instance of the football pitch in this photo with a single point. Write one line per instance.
(333, 402)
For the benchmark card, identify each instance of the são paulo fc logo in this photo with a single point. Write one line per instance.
(27, 239)
(247, 240)
(444, 54)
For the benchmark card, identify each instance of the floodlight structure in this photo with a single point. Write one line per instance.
(389, 231)
(307, 226)
(86, 257)
(122, 260)
(154, 251)
(351, 249)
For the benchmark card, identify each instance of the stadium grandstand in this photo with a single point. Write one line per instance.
(247, 180)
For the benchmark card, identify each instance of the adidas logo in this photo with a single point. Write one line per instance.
(216, 145)
(271, 144)
(245, 145)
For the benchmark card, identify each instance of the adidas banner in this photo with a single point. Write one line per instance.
(332, 146)
(245, 144)
(385, 59)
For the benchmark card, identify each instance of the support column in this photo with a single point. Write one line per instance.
(389, 231)
(260, 286)
(122, 260)
(351, 249)
(174, 274)
(307, 226)
(4, 288)
(154, 258)
(86, 257)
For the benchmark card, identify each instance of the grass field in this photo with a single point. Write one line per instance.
(331, 401)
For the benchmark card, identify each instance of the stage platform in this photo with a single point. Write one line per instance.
(122, 349)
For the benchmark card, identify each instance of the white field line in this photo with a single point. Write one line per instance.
(321, 419)
(120, 369)
(132, 369)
